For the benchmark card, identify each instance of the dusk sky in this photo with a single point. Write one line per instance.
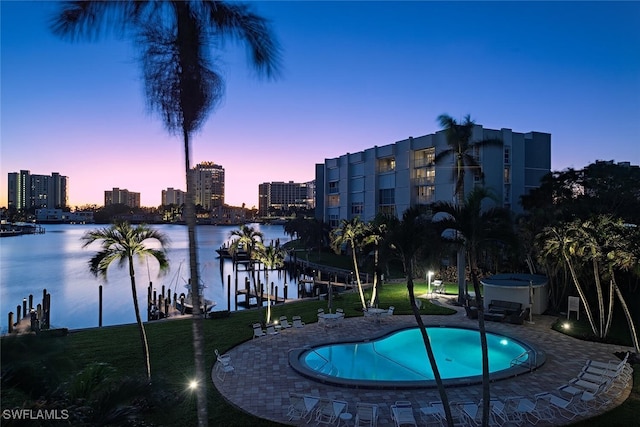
(354, 75)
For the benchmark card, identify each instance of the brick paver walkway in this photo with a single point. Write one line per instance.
(263, 379)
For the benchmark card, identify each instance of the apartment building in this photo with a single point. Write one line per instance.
(208, 181)
(279, 198)
(26, 190)
(122, 196)
(391, 178)
(172, 196)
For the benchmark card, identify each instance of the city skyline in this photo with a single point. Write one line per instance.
(355, 75)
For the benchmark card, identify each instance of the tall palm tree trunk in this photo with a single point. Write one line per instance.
(627, 314)
(427, 345)
(581, 293)
(374, 293)
(486, 389)
(143, 334)
(198, 327)
(355, 267)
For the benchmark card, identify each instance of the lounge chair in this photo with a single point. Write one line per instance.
(402, 414)
(329, 411)
(567, 408)
(297, 322)
(301, 406)
(258, 331)
(366, 414)
(284, 323)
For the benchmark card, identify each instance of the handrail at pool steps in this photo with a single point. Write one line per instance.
(529, 362)
(327, 361)
(373, 346)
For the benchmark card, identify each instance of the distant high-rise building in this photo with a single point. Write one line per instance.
(391, 178)
(125, 197)
(281, 197)
(40, 191)
(171, 196)
(208, 182)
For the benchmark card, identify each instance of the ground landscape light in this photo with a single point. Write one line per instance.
(193, 384)
(566, 325)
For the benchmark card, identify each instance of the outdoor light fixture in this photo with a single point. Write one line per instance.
(429, 274)
(566, 325)
(193, 384)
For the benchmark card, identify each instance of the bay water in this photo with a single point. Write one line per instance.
(57, 262)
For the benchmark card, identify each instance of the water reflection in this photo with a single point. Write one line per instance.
(56, 261)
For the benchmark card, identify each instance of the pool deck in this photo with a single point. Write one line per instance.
(263, 378)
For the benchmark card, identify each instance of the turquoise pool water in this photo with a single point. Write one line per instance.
(401, 359)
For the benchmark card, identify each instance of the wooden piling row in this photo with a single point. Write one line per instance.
(39, 317)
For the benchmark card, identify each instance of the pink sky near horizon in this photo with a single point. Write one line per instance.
(354, 75)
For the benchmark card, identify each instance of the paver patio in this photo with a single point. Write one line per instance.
(263, 378)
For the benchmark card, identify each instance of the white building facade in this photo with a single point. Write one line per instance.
(391, 178)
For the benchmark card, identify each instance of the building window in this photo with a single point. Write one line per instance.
(334, 220)
(425, 157)
(334, 200)
(357, 208)
(425, 176)
(507, 175)
(334, 187)
(507, 155)
(387, 210)
(387, 196)
(388, 164)
(507, 194)
(426, 194)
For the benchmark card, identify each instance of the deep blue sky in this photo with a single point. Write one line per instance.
(355, 75)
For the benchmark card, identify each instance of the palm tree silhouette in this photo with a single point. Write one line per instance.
(477, 229)
(463, 149)
(351, 232)
(122, 243)
(175, 39)
(271, 257)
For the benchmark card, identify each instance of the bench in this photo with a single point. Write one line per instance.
(504, 307)
(439, 287)
(500, 310)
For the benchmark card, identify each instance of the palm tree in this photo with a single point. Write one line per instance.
(476, 229)
(351, 233)
(374, 234)
(245, 237)
(271, 257)
(175, 38)
(408, 239)
(462, 148)
(122, 243)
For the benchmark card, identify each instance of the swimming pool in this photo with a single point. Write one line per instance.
(399, 359)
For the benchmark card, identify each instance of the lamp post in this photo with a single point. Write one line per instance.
(429, 274)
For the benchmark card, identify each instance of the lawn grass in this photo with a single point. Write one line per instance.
(171, 353)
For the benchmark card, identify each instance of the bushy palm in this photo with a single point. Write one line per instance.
(122, 243)
(174, 39)
(351, 233)
(271, 257)
(475, 229)
(461, 147)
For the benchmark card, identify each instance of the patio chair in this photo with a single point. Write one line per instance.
(258, 331)
(223, 367)
(321, 319)
(330, 410)
(366, 414)
(301, 406)
(430, 415)
(297, 322)
(568, 409)
(222, 358)
(340, 311)
(402, 414)
(271, 329)
(284, 323)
